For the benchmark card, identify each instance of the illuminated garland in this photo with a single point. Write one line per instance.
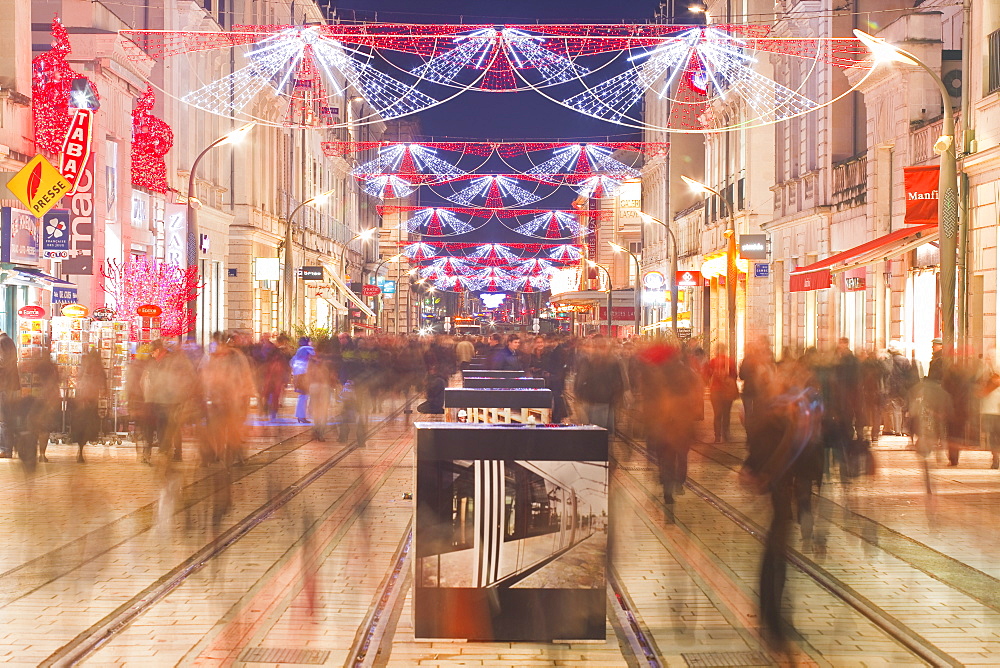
(693, 69)
(51, 83)
(152, 138)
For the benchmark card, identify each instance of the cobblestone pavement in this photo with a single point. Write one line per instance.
(289, 559)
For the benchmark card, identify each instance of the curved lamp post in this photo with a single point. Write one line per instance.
(365, 235)
(388, 260)
(731, 270)
(193, 235)
(288, 275)
(610, 289)
(673, 267)
(883, 52)
(638, 283)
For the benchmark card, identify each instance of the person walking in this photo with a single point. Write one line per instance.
(720, 373)
(91, 385)
(298, 365)
(10, 389)
(989, 407)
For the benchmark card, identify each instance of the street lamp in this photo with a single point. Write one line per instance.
(193, 236)
(288, 275)
(673, 267)
(883, 52)
(731, 270)
(638, 282)
(365, 235)
(608, 274)
(389, 260)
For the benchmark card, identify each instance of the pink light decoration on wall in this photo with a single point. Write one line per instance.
(51, 83)
(152, 138)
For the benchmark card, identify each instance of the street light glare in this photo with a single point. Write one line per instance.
(883, 51)
(618, 249)
(696, 186)
(237, 135)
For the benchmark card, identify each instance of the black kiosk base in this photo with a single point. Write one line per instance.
(511, 532)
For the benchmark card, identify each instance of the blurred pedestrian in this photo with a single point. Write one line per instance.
(672, 397)
(91, 386)
(599, 384)
(720, 373)
(172, 390)
(10, 388)
(989, 407)
(48, 406)
(782, 441)
(319, 382)
(227, 385)
(464, 352)
(298, 365)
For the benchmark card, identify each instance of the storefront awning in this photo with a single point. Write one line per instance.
(591, 297)
(819, 275)
(353, 297)
(35, 278)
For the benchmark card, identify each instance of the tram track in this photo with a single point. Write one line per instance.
(101, 633)
(888, 624)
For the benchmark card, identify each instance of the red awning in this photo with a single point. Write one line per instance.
(819, 275)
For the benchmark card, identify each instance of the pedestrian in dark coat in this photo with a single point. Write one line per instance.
(10, 388)
(91, 385)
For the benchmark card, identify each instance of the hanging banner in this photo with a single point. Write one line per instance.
(76, 147)
(81, 215)
(921, 195)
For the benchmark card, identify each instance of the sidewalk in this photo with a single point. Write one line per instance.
(83, 540)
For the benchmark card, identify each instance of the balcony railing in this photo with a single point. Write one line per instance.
(850, 183)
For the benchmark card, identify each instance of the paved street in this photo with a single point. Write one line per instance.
(141, 563)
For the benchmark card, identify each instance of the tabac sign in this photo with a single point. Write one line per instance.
(76, 147)
(39, 186)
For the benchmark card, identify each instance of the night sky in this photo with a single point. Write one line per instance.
(508, 116)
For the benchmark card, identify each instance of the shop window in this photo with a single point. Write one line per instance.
(993, 74)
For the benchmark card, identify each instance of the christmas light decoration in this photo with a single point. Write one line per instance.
(493, 254)
(398, 167)
(389, 186)
(152, 138)
(566, 253)
(432, 222)
(498, 53)
(497, 192)
(419, 251)
(309, 66)
(300, 57)
(553, 225)
(143, 280)
(487, 149)
(51, 83)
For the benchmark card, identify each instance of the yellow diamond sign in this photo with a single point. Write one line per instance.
(39, 185)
